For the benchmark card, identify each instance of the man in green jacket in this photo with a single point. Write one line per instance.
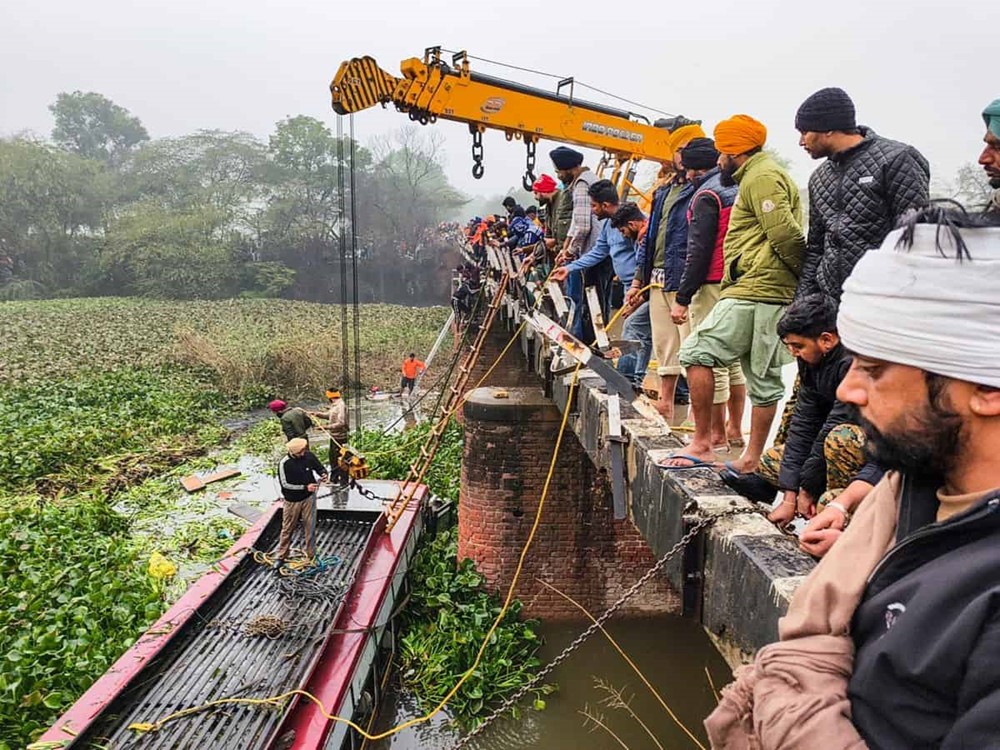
(295, 423)
(763, 254)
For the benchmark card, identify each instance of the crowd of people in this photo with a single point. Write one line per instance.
(888, 442)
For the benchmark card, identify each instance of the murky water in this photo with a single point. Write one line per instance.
(671, 652)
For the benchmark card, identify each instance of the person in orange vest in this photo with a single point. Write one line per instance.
(412, 367)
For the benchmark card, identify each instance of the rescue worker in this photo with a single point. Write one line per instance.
(763, 255)
(548, 195)
(338, 423)
(990, 157)
(892, 640)
(295, 422)
(298, 471)
(700, 284)
(411, 369)
(858, 195)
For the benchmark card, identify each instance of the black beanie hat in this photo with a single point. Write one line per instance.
(826, 110)
(700, 153)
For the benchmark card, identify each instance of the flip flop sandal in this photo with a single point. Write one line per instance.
(696, 463)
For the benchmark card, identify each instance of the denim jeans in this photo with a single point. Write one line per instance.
(637, 328)
(573, 289)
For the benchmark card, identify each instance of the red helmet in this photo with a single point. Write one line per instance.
(277, 405)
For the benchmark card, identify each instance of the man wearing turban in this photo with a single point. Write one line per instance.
(297, 473)
(581, 228)
(990, 157)
(762, 257)
(893, 641)
(700, 285)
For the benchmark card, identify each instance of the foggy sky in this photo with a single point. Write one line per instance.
(918, 71)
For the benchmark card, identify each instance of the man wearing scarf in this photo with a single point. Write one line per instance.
(762, 254)
(893, 641)
(990, 157)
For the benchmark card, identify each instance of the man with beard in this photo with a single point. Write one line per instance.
(990, 158)
(856, 196)
(762, 256)
(699, 287)
(893, 641)
(581, 228)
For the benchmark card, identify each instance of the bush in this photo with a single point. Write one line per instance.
(73, 597)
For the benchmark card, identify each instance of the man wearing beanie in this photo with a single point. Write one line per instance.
(660, 260)
(857, 195)
(762, 259)
(581, 228)
(297, 472)
(990, 157)
(699, 289)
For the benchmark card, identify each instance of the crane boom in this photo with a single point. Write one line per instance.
(430, 88)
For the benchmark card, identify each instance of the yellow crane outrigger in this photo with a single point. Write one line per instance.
(430, 88)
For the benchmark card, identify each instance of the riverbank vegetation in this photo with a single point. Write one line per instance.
(105, 407)
(450, 610)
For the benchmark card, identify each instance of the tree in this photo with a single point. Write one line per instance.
(214, 168)
(155, 252)
(51, 208)
(94, 127)
(408, 197)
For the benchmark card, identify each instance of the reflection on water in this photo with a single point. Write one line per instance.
(672, 653)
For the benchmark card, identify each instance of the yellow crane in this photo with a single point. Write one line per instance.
(430, 88)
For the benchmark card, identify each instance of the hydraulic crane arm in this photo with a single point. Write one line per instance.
(430, 89)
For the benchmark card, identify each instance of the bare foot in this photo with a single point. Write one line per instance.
(744, 465)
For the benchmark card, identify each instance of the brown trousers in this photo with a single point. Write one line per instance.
(291, 514)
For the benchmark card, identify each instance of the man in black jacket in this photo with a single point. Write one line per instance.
(927, 628)
(821, 461)
(297, 473)
(857, 196)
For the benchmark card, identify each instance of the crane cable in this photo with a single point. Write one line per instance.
(354, 281)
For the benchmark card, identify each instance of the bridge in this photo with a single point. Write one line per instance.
(610, 513)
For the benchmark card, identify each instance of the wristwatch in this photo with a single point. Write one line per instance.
(843, 509)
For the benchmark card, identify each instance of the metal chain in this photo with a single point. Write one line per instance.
(365, 492)
(477, 152)
(528, 180)
(595, 626)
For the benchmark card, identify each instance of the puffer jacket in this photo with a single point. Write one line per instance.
(855, 199)
(765, 244)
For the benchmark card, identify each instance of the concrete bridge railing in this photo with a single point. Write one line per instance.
(736, 578)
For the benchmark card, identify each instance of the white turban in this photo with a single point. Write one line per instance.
(927, 308)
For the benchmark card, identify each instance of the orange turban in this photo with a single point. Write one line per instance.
(739, 134)
(683, 135)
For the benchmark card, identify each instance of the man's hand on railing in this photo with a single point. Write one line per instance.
(559, 274)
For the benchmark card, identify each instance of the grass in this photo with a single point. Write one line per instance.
(248, 348)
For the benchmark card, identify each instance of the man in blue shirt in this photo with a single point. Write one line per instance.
(612, 243)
